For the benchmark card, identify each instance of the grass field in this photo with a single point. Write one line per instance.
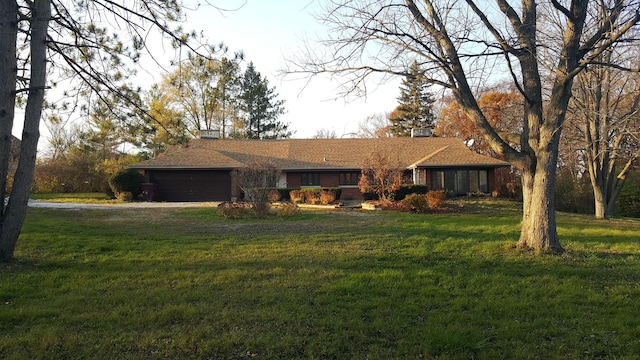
(185, 283)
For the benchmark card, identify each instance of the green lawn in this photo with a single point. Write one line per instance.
(185, 283)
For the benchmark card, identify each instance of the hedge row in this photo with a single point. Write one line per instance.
(285, 193)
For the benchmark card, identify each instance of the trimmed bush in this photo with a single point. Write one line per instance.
(406, 190)
(274, 195)
(416, 202)
(127, 181)
(234, 210)
(288, 209)
(312, 197)
(327, 197)
(296, 196)
(125, 196)
(436, 198)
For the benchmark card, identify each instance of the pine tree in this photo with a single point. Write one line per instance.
(415, 109)
(261, 108)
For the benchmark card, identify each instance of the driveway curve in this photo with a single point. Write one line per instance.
(115, 206)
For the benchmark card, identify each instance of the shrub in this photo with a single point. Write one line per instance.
(628, 203)
(573, 194)
(288, 209)
(284, 194)
(274, 195)
(257, 180)
(406, 190)
(312, 197)
(296, 196)
(436, 198)
(261, 209)
(233, 210)
(127, 181)
(125, 196)
(416, 202)
(327, 197)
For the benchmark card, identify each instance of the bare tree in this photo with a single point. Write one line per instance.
(375, 126)
(325, 133)
(464, 45)
(605, 118)
(382, 174)
(257, 179)
(89, 44)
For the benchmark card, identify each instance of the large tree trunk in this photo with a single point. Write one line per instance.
(14, 215)
(538, 230)
(607, 185)
(600, 203)
(8, 76)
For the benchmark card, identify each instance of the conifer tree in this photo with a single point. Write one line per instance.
(260, 107)
(415, 108)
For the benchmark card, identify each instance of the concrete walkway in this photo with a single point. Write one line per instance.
(130, 205)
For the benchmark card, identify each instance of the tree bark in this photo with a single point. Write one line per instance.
(8, 77)
(13, 218)
(538, 230)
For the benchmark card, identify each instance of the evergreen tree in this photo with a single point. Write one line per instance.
(261, 108)
(225, 96)
(415, 109)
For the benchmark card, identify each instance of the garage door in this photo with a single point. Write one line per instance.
(191, 185)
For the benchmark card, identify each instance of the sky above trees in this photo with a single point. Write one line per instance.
(269, 33)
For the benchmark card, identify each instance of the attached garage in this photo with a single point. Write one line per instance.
(190, 185)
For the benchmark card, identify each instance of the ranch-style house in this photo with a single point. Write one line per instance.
(203, 171)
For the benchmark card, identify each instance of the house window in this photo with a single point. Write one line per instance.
(419, 177)
(460, 181)
(310, 179)
(349, 178)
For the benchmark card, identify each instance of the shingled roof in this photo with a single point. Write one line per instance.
(319, 154)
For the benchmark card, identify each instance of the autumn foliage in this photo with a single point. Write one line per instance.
(502, 109)
(381, 174)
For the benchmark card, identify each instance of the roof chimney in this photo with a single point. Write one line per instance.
(210, 134)
(421, 132)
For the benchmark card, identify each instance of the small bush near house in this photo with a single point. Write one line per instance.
(296, 196)
(312, 197)
(327, 197)
(127, 181)
(284, 194)
(436, 198)
(416, 202)
(274, 195)
(234, 210)
(288, 209)
(125, 196)
(406, 190)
